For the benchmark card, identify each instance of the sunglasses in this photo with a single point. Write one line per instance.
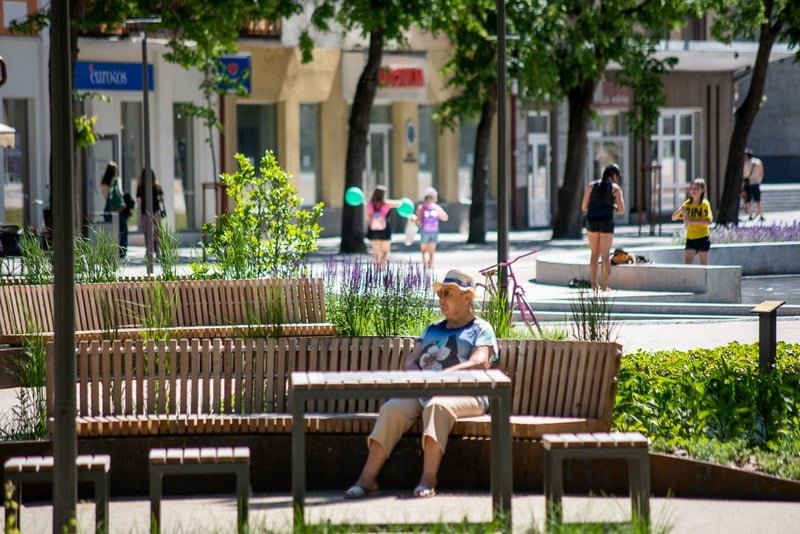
(446, 292)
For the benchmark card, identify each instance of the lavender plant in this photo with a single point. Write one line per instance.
(762, 233)
(364, 299)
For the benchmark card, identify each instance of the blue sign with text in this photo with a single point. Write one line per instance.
(234, 72)
(107, 76)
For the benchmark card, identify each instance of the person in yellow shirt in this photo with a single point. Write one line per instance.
(696, 215)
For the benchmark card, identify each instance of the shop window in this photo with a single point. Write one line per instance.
(132, 159)
(16, 170)
(183, 198)
(675, 146)
(428, 150)
(257, 130)
(310, 174)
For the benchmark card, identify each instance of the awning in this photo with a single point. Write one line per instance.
(7, 136)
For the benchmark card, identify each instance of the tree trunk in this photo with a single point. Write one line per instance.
(480, 169)
(728, 212)
(353, 216)
(567, 223)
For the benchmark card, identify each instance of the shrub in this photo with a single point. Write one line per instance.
(266, 234)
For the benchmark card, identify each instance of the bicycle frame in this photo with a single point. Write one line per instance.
(517, 292)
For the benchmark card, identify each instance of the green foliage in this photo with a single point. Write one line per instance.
(97, 258)
(591, 317)
(496, 312)
(168, 256)
(267, 234)
(156, 316)
(30, 368)
(37, 264)
(362, 299)
(85, 135)
(715, 404)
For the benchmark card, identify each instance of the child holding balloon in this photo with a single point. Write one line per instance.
(379, 231)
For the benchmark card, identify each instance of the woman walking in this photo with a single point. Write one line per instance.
(601, 199)
(696, 215)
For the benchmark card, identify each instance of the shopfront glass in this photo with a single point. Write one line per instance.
(257, 130)
(538, 169)
(184, 181)
(132, 160)
(428, 151)
(608, 143)
(466, 158)
(16, 170)
(675, 144)
(379, 155)
(310, 175)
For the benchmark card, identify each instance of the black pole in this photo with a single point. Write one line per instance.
(502, 178)
(148, 175)
(65, 487)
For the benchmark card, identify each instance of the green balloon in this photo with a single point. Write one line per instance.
(406, 208)
(354, 196)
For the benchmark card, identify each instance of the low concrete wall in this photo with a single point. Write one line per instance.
(701, 283)
(754, 258)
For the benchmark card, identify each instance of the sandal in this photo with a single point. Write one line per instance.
(359, 492)
(423, 491)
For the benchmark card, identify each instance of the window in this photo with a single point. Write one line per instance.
(257, 130)
(466, 158)
(132, 159)
(428, 151)
(16, 171)
(310, 177)
(183, 184)
(675, 146)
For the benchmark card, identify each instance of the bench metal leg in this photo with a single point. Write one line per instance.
(553, 488)
(155, 500)
(242, 497)
(639, 480)
(99, 481)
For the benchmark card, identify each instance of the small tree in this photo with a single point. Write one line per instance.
(267, 234)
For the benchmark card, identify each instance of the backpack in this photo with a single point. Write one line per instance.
(377, 220)
(115, 198)
(620, 257)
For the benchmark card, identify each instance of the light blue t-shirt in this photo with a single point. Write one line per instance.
(444, 347)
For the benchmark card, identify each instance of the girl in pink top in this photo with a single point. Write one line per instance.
(379, 231)
(427, 217)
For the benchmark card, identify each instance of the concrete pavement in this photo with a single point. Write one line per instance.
(272, 513)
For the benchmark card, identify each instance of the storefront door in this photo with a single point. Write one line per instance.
(104, 150)
(378, 158)
(604, 151)
(538, 180)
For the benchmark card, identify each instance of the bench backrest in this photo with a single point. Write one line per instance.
(185, 302)
(246, 376)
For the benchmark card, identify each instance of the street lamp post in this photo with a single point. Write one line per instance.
(149, 201)
(502, 178)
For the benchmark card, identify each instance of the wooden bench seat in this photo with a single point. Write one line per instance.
(39, 469)
(240, 385)
(195, 308)
(200, 461)
(630, 446)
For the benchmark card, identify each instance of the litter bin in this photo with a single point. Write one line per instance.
(9, 239)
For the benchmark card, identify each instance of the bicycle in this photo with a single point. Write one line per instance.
(514, 290)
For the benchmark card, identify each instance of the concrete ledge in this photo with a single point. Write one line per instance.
(709, 283)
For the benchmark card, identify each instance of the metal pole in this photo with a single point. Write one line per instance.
(502, 178)
(65, 486)
(148, 175)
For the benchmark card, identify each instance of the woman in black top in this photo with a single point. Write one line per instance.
(601, 199)
(158, 200)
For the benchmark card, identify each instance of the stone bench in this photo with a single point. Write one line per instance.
(630, 446)
(91, 468)
(200, 461)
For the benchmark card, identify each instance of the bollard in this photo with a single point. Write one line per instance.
(767, 339)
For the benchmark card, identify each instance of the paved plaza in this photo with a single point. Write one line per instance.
(272, 512)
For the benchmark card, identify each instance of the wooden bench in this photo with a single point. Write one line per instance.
(200, 461)
(91, 468)
(240, 385)
(192, 308)
(631, 446)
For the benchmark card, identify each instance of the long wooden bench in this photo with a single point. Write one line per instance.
(191, 308)
(240, 385)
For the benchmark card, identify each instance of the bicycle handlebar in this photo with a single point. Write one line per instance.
(509, 262)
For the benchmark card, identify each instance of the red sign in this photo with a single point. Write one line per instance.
(401, 77)
(609, 95)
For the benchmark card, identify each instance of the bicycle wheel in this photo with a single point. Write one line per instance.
(526, 311)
